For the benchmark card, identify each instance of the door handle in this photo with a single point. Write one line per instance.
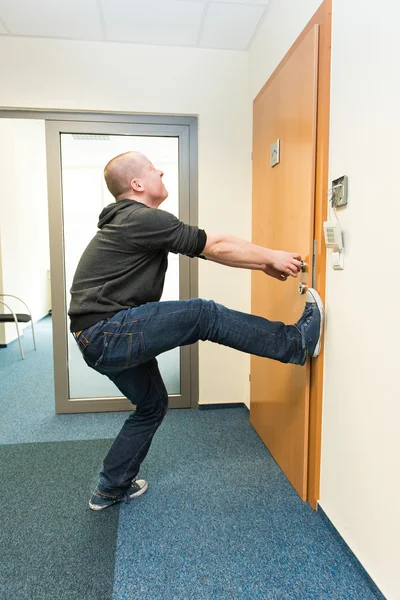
(302, 288)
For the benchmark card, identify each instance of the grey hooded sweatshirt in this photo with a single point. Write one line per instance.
(124, 265)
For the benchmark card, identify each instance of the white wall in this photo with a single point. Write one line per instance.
(284, 21)
(360, 470)
(360, 486)
(148, 79)
(2, 307)
(23, 220)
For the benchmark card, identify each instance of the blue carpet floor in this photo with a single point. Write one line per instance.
(50, 546)
(27, 397)
(220, 520)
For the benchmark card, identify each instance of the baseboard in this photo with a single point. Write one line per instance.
(44, 317)
(225, 405)
(369, 581)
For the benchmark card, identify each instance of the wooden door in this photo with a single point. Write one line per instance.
(283, 219)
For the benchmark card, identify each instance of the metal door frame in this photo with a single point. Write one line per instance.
(186, 129)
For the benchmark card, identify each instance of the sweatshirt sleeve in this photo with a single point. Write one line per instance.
(155, 229)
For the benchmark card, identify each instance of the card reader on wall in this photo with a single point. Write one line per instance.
(333, 235)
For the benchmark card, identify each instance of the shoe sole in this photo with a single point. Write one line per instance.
(135, 495)
(320, 305)
(97, 507)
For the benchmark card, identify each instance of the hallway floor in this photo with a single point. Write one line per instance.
(219, 521)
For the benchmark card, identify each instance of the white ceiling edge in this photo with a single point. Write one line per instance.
(127, 42)
(80, 40)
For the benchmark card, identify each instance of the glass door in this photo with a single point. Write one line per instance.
(84, 195)
(77, 154)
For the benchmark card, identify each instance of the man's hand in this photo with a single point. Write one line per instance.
(283, 265)
(273, 273)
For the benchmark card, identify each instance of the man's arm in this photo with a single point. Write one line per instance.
(236, 265)
(231, 250)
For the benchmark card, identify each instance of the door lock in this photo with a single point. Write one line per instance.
(304, 266)
(302, 288)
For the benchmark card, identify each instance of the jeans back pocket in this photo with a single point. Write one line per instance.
(121, 350)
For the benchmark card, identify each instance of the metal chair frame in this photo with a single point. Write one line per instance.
(16, 320)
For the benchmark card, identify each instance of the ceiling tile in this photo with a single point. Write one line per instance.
(76, 19)
(230, 26)
(160, 22)
(263, 2)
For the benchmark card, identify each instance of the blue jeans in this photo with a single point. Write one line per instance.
(124, 348)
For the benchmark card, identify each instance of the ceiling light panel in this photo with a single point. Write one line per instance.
(230, 26)
(90, 137)
(75, 19)
(159, 22)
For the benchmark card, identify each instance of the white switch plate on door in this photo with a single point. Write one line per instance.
(275, 153)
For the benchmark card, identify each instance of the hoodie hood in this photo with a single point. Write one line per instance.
(109, 212)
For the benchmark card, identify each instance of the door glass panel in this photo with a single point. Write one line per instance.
(85, 194)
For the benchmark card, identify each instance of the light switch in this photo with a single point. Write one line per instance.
(338, 261)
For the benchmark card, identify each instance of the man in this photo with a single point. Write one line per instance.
(120, 325)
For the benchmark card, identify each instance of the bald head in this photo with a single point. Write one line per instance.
(121, 170)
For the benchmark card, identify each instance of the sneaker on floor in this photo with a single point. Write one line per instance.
(98, 501)
(311, 323)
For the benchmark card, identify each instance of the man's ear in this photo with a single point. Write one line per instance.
(136, 185)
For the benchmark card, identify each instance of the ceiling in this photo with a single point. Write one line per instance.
(218, 24)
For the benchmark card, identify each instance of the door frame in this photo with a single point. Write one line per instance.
(186, 129)
(322, 18)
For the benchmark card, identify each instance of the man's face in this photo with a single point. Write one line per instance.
(151, 179)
